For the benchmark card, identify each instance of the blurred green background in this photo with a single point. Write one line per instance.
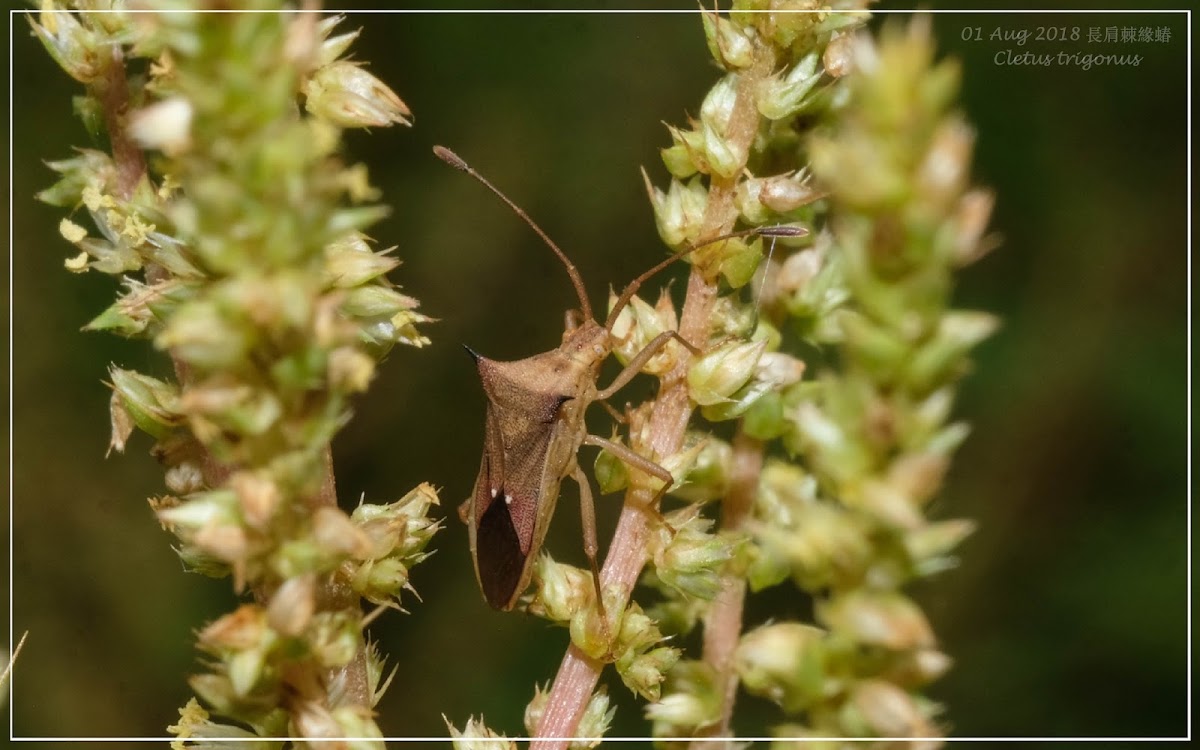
(1068, 613)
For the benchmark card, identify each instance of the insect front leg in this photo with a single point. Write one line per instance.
(640, 359)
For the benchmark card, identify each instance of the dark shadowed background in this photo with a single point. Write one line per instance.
(1068, 614)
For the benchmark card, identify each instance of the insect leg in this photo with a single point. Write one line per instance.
(631, 458)
(587, 512)
(616, 415)
(640, 359)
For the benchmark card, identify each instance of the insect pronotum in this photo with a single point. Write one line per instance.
(535, 427)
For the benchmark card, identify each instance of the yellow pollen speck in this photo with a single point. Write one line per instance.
(168, 186)
(136, 230)
(71, 231)
(78, 264)
(95, 200)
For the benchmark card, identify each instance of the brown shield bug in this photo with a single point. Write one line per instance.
(535, 427)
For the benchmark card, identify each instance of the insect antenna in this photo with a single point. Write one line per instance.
(782, 230)
(456, 161)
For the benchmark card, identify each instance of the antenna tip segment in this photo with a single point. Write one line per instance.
(450, 158)
(782, 230)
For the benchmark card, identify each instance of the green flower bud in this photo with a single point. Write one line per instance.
(610, 472)
(592, 726)
(886, 503)
(88, 168)
(877, 618)
(357, 722)
(678, 710)
(291, 607)
(762, 199)
(784, 662)
(354, 219)
(765, 568)
(784, 489)
(714, 376)
(637, 325)
(593, 635)
(690, 560)
(930, 545)
(152, 404)
(792, 730)
(108, 258)
(90, 111)
(350, 262)
(717, 107)
(75, 48)
(334, 637)
(784, 95)
(380, 581)
(401, 528)
(787, 192)
(728, 44)
(594, 723)
(376, 302)
(739, 261)
(476, 736)
(536, 709)
(679, 212)
(350, 97)
(645, 674)
(332, 47)
(200, 334)
(826, 545)
(886, 711)
(724, 157)
(879, 349)
(560, 590)
(679, 161)
(764, 419)
(837, 453)
(943, 356)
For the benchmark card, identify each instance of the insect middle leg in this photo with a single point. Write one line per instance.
(629, 457)
(640, 359)
(587, 512)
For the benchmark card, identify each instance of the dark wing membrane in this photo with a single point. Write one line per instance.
(498, 555)
(506, 502)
